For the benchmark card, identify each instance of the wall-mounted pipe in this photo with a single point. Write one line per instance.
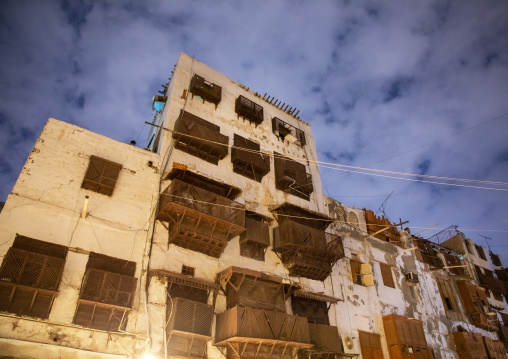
(85, 206)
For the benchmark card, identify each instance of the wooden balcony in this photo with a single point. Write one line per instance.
(485, 321)
(189, 327)
(291, 177)
(247, 159)
(469, 345)
(200, 138)
(249, 110)
(200, 220)
(325, 338)
(306, 251)
(206, 90)
(251, 325)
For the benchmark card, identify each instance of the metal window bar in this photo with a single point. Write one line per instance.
(249, 110)
(206, 90)
(282, 129)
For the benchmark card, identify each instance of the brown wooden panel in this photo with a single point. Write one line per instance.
(386, 273)
(370, 344)
(189, 316)
(248, 160)
(100, 316)
(255, 293)
(101, 175)
(315, 311)
(291, 177)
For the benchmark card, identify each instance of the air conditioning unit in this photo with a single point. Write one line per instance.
(412, 277)
(347, 342)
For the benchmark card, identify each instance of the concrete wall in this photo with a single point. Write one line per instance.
(46, 204)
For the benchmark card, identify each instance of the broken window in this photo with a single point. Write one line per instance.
(249, 162)
(481, 253)
(426, 253)
(107, 293)
(356, 275)
(101, 175)
(449, 300)
(29, 276)
(200, 138)
(206, 90)
(286, 132)
(386, 273)
(496, 260)
(249, 110)
(291, 177)
(454, 264)
(256, 239)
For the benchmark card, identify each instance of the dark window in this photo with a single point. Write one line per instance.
(30, 275)
(101, 175)
(256, 239)
(496, 260)
(316, 311)
(386, 273)
(291, 177)
(249, 162)
(206, 90)
(188, 270)
(200, 138)
(447, 295)
(287, 132)
(356, 275)
(107, 293)
(497, 296)
(249, 110)
(481, 253)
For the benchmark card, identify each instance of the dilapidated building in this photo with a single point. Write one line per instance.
(217, 241)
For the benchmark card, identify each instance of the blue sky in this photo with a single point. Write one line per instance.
(417, 87)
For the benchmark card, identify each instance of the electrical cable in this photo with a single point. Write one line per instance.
(322, 163)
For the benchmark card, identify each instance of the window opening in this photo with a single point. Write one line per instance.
(205, 90)
(286, 132)
(249, 110)
(101, 175)
(186, 270)
(107, 293)
(291, 177)
(30, 275)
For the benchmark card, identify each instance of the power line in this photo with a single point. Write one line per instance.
(335, 165)
(451, 135)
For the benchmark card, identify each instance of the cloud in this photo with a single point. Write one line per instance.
(375, 80)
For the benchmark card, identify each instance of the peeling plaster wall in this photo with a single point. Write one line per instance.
(46, 204)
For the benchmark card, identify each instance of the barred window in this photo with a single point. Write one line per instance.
(101, 175)
(29, 276)
(107, 293)
(481, 253)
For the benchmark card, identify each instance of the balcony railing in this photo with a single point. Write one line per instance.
(31, 269)
(249, 110)
(206, 90)
(199, 219)
(307, 251)
(200, 138)
(325, 338)
(109, 288)
(243, 324)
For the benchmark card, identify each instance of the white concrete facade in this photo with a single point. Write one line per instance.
(47, 204)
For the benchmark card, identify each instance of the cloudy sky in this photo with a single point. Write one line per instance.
(409, 86)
